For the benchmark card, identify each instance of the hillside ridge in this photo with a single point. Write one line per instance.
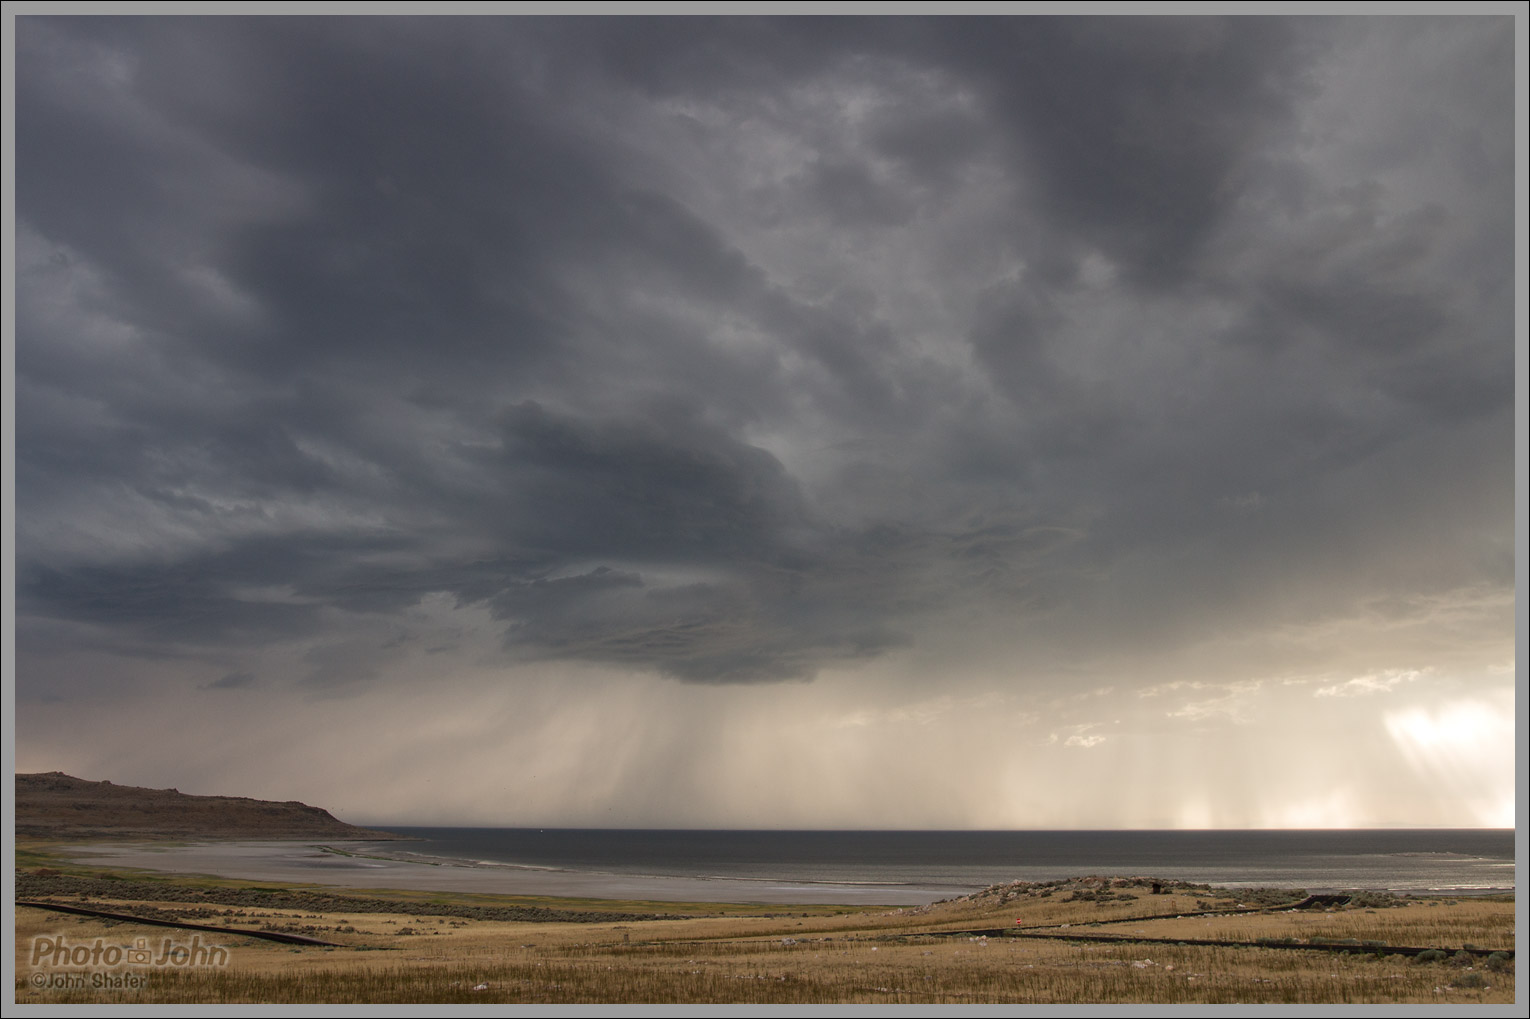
(55, 805)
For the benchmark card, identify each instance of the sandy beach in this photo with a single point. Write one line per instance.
(389, 865)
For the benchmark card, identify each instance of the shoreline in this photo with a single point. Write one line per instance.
(368, 864)
(331, 863)
(1089, 940)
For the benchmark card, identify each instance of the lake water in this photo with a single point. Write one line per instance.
(944, 864)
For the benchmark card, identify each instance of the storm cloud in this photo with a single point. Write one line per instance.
(360, 353)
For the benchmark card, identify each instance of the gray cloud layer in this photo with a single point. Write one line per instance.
(733, 349)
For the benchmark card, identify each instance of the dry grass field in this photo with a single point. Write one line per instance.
(450, 949)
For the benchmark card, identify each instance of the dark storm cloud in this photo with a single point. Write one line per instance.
(651, 489)
(1134, 131)
(733, 348)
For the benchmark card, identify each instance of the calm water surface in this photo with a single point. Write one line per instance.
(1406, 860)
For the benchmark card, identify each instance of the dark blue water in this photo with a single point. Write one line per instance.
(1413, 860)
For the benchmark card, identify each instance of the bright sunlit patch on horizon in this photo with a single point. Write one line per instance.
(1467, 749)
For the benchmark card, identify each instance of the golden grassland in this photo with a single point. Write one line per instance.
(735, 953)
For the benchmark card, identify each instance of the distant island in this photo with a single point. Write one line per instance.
(58, 806)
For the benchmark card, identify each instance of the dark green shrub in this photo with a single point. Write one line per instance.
(1267, 896)
(1374, 900)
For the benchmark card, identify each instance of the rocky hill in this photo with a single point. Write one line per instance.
(59, 806)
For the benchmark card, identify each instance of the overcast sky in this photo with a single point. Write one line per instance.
(1023, 422)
